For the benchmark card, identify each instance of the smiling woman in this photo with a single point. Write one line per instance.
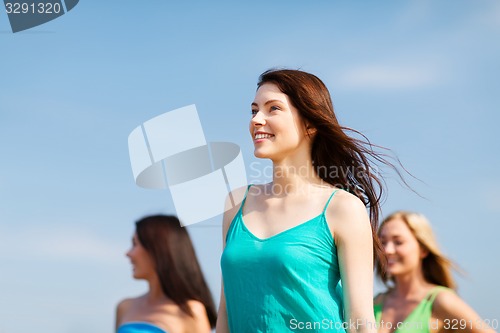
(422, 297)
(299, 250)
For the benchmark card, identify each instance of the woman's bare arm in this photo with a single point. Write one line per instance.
(350, 226)
(455, 315)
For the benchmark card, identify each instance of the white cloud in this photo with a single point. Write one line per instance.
(389, 77)
(58, 243)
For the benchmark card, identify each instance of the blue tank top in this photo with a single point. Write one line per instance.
(289, 282)
(139, 327)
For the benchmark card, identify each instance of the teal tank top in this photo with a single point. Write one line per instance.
(419, 320)
(289, 282)
(139, 327)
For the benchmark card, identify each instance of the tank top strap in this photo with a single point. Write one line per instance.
(235, 223)
(426, 305)
(240, 211)
(434, 292)
(328, 202)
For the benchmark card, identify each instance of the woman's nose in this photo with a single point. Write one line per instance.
(389, 248)
(258, 119)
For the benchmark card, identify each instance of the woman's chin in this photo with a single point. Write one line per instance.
(393, 272)
(261, 153)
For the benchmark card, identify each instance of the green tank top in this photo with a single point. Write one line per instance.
(289, 282)
(419, 320)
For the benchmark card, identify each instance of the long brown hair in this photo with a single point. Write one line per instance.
(179, 272)
(339, 159)
(436, 268)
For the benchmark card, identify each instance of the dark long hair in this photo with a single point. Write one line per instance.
(339, 159)
(179, 272)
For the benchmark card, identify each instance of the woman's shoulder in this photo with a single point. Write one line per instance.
(124, 304)
(346, 211)
(234, 200)
(199, 321)
(124, 308)
(344, 201)
(197, 308)
(445, 299)
(449, 306)
(236, 197)
(127, 303)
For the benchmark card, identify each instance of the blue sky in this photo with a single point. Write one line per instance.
(419, 77)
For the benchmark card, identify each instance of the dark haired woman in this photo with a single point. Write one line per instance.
(178, 299)
(421, 299)
(291, 242)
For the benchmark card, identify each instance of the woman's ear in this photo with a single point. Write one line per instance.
(310, 130)
(423, 252)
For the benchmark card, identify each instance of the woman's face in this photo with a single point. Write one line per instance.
(276, 127)
(403, 252)
(142, 263)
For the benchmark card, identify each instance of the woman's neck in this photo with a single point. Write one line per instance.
(410, 285)
(155, 293)
(295, 177)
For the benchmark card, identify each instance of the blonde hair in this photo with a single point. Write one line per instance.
(436, 267)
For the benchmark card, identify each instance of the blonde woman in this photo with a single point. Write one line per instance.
(421, 297)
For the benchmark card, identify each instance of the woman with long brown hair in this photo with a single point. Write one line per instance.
(299, 251)
(421, 295)
(178, 299)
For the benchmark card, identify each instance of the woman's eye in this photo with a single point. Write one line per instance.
(254, 112)
(274, 107)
